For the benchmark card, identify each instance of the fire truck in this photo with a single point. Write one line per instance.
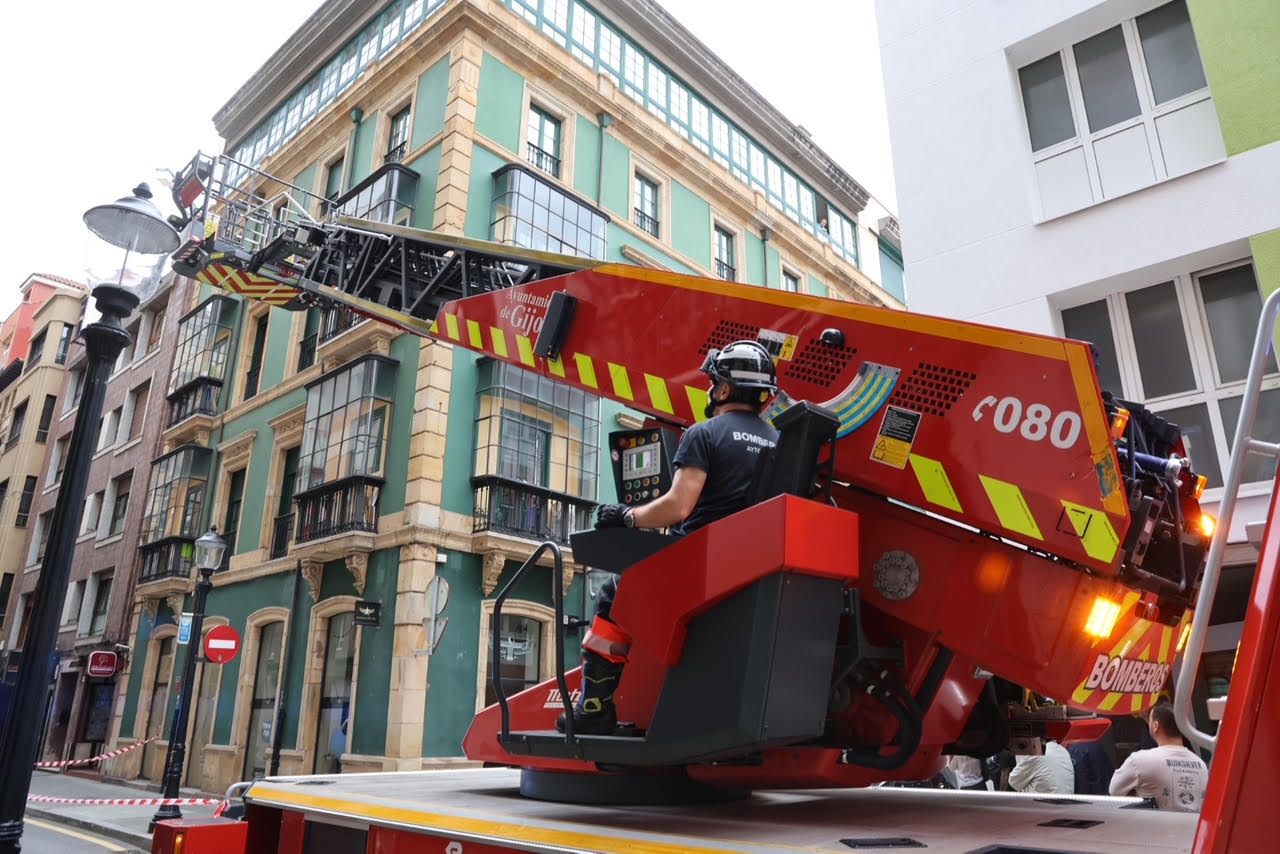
(956, 520)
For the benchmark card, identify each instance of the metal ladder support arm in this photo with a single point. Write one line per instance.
(1242, 445)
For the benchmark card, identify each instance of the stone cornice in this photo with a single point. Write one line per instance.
(238, 449)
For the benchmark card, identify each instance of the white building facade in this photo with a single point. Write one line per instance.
(1093, 168)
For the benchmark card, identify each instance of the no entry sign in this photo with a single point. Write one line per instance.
(221, 644)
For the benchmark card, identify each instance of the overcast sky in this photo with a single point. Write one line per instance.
(100, 95)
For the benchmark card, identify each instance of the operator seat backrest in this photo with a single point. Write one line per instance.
(792, 466)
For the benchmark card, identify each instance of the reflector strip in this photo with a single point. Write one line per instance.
(473, 335)
(698, 400)
(586, 370)
(451, 326)
(525, 348)
(556, 366)
(1094, 530)
(934, 483)
(1011, 507)
(499, 339)
(658, 393)
(621, 382)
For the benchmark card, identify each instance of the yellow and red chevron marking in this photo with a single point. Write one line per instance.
(231, 278)
(1127, 675)
(648, 390)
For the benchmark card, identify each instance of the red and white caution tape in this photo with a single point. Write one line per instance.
(126, 802)
(101, 757)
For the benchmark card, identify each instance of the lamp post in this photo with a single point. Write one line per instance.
(135, 225)
(208, 557)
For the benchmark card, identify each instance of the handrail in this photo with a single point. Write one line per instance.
(1241, 446)
(495, 648)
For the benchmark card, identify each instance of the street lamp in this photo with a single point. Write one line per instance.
(208, 557)
(135, 225)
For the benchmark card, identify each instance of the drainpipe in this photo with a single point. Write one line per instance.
(282, 701)
(765, 233)
(606, 121)
(357, 116)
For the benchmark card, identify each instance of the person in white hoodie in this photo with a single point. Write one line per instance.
(1050, 774)
(1169, 773)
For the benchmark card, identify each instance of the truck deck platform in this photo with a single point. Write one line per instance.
(483, 806)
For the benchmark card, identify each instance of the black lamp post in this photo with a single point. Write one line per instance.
(208, 557)
(135, 225)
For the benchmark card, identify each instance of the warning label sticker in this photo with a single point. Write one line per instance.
(897, 433)
(781, 345)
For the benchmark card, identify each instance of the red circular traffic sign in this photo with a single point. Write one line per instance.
(221, 644)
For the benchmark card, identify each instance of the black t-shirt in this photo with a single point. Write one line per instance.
(727, 447)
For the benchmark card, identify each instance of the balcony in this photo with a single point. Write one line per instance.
(198, 397)
(544, 160)
(530, 512)
(726, 271)
(167, 559)
(334, 321)
(388, 195)
(282, 535)
(646, 223)
(397, 152)
(343, 506)
(307, 352)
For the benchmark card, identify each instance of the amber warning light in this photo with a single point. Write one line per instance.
(1102, 618)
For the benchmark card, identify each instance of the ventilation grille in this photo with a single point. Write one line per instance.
(725, 333)
(932, 389)
(819, 364)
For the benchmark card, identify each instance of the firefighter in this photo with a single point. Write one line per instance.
(713, 469)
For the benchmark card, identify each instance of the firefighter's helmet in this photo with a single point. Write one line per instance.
(747, 368)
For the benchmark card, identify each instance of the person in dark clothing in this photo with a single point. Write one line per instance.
(1094, 763)
(714, 466)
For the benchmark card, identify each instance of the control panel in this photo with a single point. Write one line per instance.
(642, 466)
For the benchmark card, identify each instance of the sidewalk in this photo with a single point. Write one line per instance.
(127, 824)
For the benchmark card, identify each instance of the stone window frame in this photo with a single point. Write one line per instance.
(544, 614)
(233, 455)
(254, 624)
(548, 103)
(208, 624)
(142, 716)
(254, 309)
(286, 429)
(313, 674)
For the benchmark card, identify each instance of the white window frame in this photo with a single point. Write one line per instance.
(662, 198)
(1148, 113)
(1209, 390)
(793, 273)
(725, 225)
(568, 119)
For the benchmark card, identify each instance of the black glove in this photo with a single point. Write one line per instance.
(614, 516)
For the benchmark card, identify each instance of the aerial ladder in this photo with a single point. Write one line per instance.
(956, 518)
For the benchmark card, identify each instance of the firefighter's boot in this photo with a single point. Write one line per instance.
(594, 713)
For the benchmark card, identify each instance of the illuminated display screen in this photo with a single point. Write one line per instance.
(642, 461)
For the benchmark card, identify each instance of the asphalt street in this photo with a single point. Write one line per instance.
(44, 837)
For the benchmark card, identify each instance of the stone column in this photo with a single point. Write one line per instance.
(459, 130)
(407, 702)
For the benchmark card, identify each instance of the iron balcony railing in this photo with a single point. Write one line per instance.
(282, 534)
(165, 559)
(646, 223)
(346, 505)
(396, 153)
(530, 512)
(544, 160)
(199, 397)
(726, 271)
(335, 320)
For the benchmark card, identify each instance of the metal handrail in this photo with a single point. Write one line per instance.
(1242, 445)
(495, 644)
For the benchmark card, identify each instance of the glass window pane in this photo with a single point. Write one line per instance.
(1044, 97)
(1090, 322)
(1256, 468)
(1160, 340)
(1106, 79)
(1169, 45)
(1232, 305)
(1198, 437)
